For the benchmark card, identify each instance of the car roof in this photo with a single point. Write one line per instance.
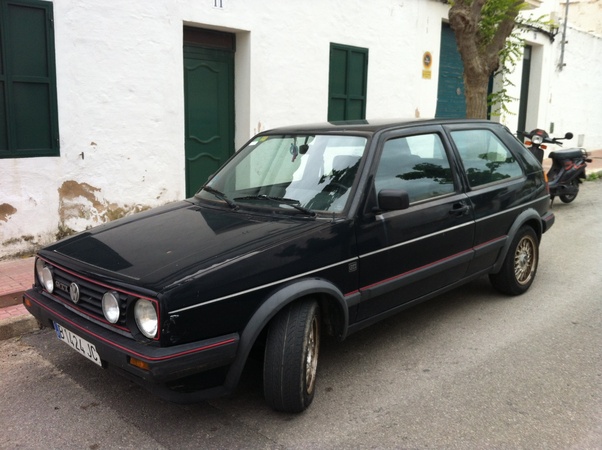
(366, 126)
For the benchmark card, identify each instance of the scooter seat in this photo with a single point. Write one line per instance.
(569, 153)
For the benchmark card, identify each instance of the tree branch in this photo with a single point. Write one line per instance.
(477, 8)
(502, 32)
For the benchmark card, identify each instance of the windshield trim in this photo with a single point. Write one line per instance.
(272, 182)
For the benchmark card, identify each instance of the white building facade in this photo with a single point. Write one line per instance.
(127, 106)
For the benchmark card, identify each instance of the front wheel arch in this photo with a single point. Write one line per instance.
(291, 356)
(332, 303)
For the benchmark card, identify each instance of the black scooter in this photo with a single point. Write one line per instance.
(568, 166)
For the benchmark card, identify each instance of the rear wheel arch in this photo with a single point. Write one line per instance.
(520, 265)
(530, 218)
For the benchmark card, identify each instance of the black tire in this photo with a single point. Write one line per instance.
(568, 198)
(291, 357)
(520, 266)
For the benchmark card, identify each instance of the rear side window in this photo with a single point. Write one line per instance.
(486, 159)
(417, 165)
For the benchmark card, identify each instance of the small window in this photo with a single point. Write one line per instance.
(28, 105)
(417, 165)
(485, 158)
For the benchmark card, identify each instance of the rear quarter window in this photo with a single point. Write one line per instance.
(485, 158)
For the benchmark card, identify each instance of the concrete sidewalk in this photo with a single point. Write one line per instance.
(16, 276)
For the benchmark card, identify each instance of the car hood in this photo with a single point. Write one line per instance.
(159, 247)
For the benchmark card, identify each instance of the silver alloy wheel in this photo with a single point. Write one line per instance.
(525, 260)
(311, 356)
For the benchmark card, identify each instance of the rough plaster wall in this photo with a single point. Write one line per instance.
(120, 121)
(28, 206)
(586, 15)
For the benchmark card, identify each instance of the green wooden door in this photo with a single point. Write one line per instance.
(209, 112)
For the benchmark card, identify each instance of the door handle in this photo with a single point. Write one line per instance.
(458, 209)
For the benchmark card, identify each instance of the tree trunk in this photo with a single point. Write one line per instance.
(479, 44)
(475, 90)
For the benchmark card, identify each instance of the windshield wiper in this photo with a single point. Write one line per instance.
(281, 201)
(221, 196)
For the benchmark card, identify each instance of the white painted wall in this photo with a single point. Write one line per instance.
(575, 100)
(569, 98)
(120, 121)
(121, 106)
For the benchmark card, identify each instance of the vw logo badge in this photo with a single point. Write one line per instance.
(74, 292)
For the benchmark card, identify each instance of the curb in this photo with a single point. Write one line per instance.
(18, 326)
(12, 299)
(16, 276)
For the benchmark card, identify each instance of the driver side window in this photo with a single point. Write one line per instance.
(417, 165)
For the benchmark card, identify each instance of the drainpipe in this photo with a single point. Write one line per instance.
(561, 64)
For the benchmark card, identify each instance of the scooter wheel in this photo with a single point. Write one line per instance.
(568, 198)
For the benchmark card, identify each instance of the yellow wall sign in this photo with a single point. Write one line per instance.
(427, 61)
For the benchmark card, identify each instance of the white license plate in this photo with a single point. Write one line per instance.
(77, 343)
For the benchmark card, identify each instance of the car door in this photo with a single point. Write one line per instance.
(407, 254)
(497, 187)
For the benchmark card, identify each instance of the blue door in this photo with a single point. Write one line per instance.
(451, 102)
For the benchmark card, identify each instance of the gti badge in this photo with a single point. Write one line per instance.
(74, 292)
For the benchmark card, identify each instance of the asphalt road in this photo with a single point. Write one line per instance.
(472, 369)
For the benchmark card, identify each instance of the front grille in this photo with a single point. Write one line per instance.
(90, 298)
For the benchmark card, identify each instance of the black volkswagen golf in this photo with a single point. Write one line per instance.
(306, 231)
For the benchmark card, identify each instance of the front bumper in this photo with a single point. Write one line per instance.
(164, 363)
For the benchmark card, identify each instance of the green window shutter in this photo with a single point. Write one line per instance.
(347, 84)
(28, 104)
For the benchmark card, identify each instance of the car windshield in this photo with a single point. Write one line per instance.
(306, 173)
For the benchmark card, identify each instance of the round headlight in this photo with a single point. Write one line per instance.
(537, 139)
(45, 275)
(110, 306)
(39, 267)
(146, 318)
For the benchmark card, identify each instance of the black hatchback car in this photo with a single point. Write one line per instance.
(306, 230)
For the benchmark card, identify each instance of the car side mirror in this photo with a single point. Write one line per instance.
(393, 199)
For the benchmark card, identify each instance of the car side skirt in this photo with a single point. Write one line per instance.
(353, 328)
